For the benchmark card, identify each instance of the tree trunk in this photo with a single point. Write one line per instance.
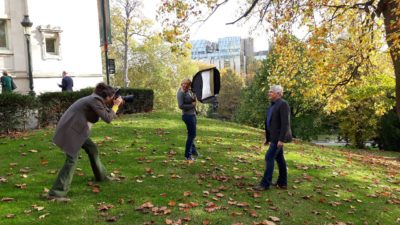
(389, 8)
(126, 46)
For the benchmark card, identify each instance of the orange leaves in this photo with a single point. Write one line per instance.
(157, 211)
(187, 193)
(211, 207)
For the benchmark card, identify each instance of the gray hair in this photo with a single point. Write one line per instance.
(277, 89)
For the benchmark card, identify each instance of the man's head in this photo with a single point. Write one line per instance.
(275, 92)
(185, 84)
(64, 73)
(5, 73)
(105, 91)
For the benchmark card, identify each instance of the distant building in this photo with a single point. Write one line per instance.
(260, 55)
(64, 36)
(228, 52)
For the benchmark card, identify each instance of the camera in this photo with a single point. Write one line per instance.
(127, 98)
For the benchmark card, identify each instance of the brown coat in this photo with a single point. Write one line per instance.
(73, 129)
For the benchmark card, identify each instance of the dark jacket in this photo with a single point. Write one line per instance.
(66, 84)
(279, 128)
(73, 128)
(185, 101)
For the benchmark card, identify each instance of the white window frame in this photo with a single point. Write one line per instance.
(53, 32)
(7, 49)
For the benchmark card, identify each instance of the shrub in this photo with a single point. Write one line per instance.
(54, 104)
(16, 110)
(142, 100)
(389, 132)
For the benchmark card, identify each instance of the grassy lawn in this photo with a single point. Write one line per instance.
(326, 185)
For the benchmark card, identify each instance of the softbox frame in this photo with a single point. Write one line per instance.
(206, 85)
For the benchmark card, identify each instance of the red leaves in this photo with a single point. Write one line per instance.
(157, 211)
(211, 207)
(104, 206)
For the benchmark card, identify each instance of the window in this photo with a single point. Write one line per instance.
(51, 44)
(3, 34)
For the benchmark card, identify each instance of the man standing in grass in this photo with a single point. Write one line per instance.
(277, 131)
(72, 134)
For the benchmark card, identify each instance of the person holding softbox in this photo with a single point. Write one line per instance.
(205, 88)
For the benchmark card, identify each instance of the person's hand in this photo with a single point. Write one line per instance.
(280, 144)
(118, 101)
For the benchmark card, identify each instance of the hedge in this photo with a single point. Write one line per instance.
(16, 110)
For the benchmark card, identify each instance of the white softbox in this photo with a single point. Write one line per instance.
(206, 84)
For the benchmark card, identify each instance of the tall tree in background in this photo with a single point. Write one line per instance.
(127, 22)
(326, 21)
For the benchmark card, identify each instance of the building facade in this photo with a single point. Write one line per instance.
(227, 52)
(64, 36)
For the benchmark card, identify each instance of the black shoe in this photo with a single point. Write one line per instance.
(260, 188)
(54, 198)
(196, 155)
(279, 186)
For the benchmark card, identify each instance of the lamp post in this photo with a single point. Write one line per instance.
(27, 24)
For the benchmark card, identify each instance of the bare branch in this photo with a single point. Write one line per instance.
(212, 12)
(246, 13)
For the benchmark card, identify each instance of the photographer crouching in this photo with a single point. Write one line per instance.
(72, 134)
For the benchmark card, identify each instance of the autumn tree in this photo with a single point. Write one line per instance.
(127, 22)
(365, 21)
(155, 66)
(229, 96)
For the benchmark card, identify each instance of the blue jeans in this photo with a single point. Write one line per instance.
(274, 153)
(190, 148)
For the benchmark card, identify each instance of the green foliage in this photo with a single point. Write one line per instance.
(142, 100)
(367, 101)
(229, 96)
(154, 66)
(15, 111)
(254, 100)
(389, 132)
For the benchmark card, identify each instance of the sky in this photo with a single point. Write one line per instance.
(215, 27)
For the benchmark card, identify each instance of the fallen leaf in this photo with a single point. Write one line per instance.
(187, 193)
(104, 207)
(38, 208)
(171, 203)
(43, 216)
(112, 219)
(10, 216)
(274, 219)
(20, 186)
(6, 199)
(95, 189)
